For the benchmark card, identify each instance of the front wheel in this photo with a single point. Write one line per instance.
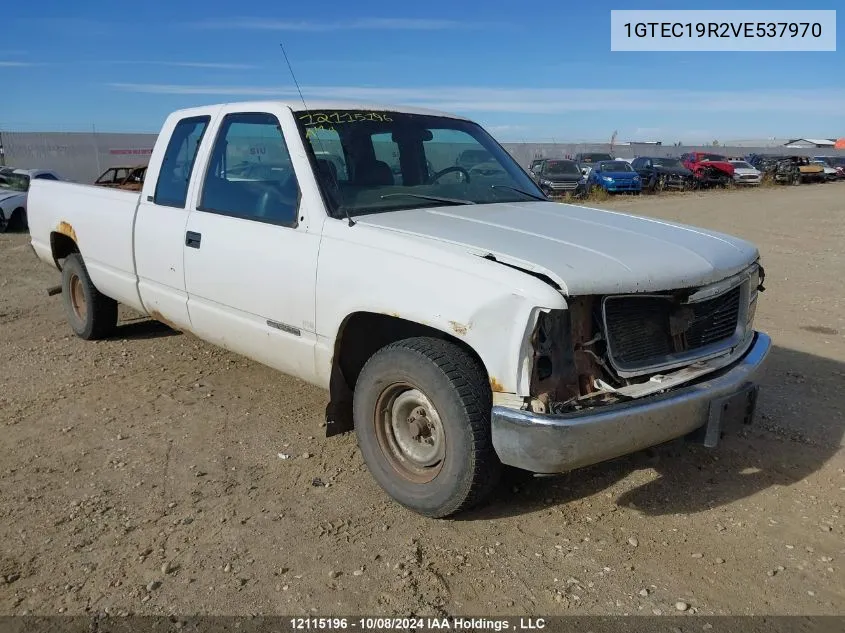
(91, 314)
(422, 416)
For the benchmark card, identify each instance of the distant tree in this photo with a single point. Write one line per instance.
(715, 143)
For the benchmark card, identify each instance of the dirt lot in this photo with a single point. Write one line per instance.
(141, 474)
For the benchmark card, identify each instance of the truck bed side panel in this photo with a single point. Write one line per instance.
(100, 221)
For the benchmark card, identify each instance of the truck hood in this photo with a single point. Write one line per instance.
(584, 250)
(6, 195)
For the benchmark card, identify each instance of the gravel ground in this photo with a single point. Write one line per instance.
(142, 474)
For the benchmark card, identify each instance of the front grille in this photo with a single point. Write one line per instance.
(565, 186)
(651, 330)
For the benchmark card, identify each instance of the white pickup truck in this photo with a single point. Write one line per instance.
(328, 243)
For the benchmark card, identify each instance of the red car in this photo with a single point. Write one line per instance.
(709, 169)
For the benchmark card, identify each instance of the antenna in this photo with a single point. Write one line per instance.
(305, 105)
(295, 82)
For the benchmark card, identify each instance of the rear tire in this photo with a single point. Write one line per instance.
(91, 314)
(422, 417)
(18, 221)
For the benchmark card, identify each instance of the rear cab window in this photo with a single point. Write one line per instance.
(178, 162)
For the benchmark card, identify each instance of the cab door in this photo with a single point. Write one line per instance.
(250, 254)
(160, 222)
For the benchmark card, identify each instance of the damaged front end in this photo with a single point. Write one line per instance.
(616, 374)
(609, 349)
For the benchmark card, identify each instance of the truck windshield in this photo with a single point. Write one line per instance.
(371, 162)
(713, 157)
(14, 182)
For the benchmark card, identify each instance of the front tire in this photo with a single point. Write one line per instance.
(422, 416)
(91, 314)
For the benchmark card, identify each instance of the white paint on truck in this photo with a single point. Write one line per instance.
(272, 231)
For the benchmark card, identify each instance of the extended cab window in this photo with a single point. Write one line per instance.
(250, 174)
(178, 162)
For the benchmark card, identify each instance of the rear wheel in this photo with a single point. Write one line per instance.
(422, 416)
(18, 221)
(4, 222)
(91, 314)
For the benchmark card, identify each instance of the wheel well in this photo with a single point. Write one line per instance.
(360, 336)
(62, 246)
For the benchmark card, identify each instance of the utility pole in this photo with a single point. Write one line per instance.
(96, 147)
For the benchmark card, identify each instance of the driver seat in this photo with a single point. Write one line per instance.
(373, 173)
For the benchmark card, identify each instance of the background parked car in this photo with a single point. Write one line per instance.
(658, 173)
(837, 162)
(830, 173)
(745, 173)
(776, 168)
(709, 169)
(810, 172)
(559, 176)
(129, 178)
(615, 176)
(586, 160)
(14, 185)
(471, 157)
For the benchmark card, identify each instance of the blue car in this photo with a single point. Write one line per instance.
(615, 176)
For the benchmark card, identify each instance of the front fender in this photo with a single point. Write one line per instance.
(493, 308)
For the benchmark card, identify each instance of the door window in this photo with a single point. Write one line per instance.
(250, 175)
(178, 162)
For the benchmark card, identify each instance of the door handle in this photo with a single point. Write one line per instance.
(193, 239)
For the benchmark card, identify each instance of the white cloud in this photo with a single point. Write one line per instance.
(189, 64)
(361, 24)
(537, 100)
(5, 64)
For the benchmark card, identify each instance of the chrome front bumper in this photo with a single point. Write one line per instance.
(557, 443)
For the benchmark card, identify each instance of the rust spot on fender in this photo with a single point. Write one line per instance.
(458, 328)
(66, 229)
(495, 385)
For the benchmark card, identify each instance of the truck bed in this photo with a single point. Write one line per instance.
(99, 220)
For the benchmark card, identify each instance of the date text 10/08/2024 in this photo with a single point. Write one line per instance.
(419, 624)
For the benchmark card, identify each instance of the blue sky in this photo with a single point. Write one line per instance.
(527, 71)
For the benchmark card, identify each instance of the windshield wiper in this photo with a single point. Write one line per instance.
(427, 197)
(524, 193)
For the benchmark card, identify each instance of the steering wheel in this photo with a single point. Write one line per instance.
(449, 170)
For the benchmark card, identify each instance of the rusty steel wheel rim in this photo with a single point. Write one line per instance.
(410, 432)
(77, 298)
